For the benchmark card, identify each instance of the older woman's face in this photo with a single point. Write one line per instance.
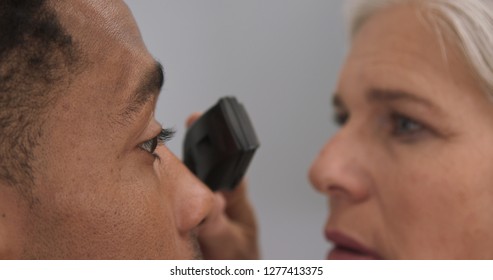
(410, 173)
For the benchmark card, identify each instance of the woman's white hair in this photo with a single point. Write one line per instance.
(467, 23)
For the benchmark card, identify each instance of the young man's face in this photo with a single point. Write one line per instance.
(98, 193)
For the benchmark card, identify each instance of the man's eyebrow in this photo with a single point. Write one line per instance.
(150, 86)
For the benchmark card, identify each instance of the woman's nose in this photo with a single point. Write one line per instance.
(341, 168)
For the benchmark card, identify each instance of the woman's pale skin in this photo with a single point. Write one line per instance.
(410, 173)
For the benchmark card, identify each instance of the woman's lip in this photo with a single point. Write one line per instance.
(347, 248)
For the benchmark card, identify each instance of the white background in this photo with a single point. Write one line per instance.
(280, 58)
(149, 270)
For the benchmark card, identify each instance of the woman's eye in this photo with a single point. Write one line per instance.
(164, 136)
(404, 126)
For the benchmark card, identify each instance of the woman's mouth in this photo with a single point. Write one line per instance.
(345, 248)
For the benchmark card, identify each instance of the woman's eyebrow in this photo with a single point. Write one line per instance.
(391, 95)
(376, 95)
(149, 87)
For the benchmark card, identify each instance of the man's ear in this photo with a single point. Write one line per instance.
(12, 215)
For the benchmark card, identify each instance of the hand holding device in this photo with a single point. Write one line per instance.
(219, 146)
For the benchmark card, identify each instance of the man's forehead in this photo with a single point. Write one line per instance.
(98, 21)
(122, 71)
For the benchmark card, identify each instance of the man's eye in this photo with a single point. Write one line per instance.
(164, 136)
(404, 126)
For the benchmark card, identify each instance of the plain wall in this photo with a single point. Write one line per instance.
(281, 59)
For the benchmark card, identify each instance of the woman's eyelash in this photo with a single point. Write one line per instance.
(164, 136)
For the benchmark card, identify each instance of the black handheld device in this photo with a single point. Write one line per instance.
(220, 145)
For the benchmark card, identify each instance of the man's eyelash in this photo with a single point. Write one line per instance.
(164, 136)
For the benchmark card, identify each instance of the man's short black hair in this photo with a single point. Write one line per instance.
(37, 57)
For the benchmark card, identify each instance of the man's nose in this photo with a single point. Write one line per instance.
(341, 170)
(193, 201)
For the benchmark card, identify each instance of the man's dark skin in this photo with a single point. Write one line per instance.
(93, 190)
